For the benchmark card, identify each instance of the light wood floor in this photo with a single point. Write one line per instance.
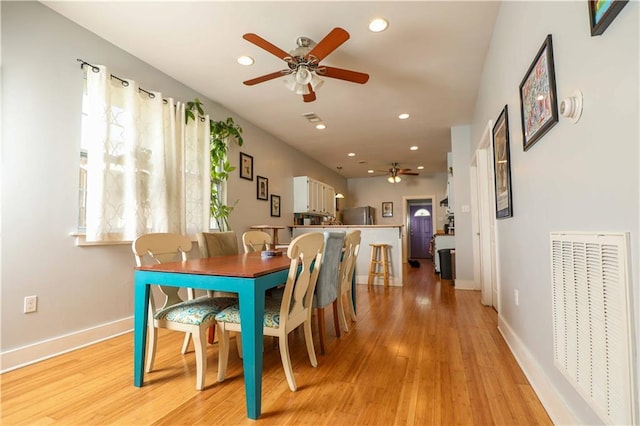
(423, 354)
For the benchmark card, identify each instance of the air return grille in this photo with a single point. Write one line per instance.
(592, 321)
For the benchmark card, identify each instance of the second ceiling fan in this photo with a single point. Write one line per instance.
(303, 63)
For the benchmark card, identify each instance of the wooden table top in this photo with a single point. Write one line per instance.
(248, 265)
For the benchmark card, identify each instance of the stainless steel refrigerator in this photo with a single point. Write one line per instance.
(359, 216)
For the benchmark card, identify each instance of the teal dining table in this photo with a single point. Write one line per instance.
(248, 275)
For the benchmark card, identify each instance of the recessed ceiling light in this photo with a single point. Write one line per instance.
(414, 148)
(420, 167)
(351, 154)
(370, 171)
(377, 25)
(245, 60)
(403, 116)
(320, 126)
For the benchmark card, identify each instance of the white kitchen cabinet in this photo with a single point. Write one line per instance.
(312, 196)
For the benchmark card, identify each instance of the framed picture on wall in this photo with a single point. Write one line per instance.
(275, 205)
(538, 104)
(262, 187)
(387, 209)
(502, 165)
(602, 13)
(246, 166)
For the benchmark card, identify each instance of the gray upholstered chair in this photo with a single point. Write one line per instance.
(213, 244)
(327, 287)
(217, 243)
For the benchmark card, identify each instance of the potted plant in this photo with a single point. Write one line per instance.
(221, 134)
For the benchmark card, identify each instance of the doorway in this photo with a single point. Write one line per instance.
(483, 221)
(422, 229)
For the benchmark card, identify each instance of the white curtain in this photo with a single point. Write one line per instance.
(144, 174)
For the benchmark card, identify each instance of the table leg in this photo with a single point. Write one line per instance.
(141, 306)
(251, 323)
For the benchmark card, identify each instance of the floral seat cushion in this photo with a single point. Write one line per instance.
(271, 313)
(194, 311)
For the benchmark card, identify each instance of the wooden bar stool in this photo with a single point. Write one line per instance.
(379, 266)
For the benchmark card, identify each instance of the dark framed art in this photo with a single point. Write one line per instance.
(387, 209)
(502, 165)
(262, 188)
(246, 166)
(275, 205)
(538, 99)
(602, 13)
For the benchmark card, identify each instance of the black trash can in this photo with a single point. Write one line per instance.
(446, 271)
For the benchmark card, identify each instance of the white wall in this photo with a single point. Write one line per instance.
(578, 177)
(80, 288)
(374, 191)
(461, 159)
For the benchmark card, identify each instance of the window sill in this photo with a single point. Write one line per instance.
(81, 241)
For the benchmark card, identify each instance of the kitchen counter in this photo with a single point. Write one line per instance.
(387, 234)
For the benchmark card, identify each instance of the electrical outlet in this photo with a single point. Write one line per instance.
(30, 304)
(516, 297)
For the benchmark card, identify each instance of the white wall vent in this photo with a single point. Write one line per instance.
(592, 321)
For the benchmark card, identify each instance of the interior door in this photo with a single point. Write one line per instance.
(421, 230)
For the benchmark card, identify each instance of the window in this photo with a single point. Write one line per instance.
(142, 168)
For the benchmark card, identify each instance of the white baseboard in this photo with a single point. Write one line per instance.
(364, 279)
(550, 398)
(465, 284)
(30, 354)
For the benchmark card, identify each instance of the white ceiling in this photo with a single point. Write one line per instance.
(427, 63)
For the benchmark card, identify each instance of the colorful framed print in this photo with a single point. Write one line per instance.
(246, 166)
(262, 188)
(602, 13)
(275, 205)
(538, 99)
(502, 165)
(387, 209)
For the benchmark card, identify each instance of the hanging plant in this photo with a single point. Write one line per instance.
(221, 134)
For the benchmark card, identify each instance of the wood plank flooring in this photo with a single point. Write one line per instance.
(422, 354)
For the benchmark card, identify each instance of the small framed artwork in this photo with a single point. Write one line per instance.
(387, 209)
(262, 188)
(602, 13)
(538, 103)
(246, 166)
(502, 165)
(275, 205)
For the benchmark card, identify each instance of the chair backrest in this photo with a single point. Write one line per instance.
(329, 277)
(350, 256)
(255, 241)
(162, 248)
(217, 243)
(305, 252)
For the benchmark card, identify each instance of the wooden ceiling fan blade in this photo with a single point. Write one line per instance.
(408, 173)
(264, 44)
(311, 96)
(342, 74)
(265, 77)
(329, 43)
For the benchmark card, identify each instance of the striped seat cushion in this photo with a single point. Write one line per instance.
(194, 311)
(271, 313)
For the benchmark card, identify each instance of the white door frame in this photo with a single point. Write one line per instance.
(483, 220)
(406, 219)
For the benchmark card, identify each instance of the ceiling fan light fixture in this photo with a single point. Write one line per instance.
(303, 75)
(394, 179)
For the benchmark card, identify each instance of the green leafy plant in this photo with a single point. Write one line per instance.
(222, 133)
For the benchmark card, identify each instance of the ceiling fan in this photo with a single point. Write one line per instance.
(303, 63)
(395, 172)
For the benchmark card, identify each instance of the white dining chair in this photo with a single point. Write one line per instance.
(282, 316)
(193, 316)
(347, 269)
(255, 241)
